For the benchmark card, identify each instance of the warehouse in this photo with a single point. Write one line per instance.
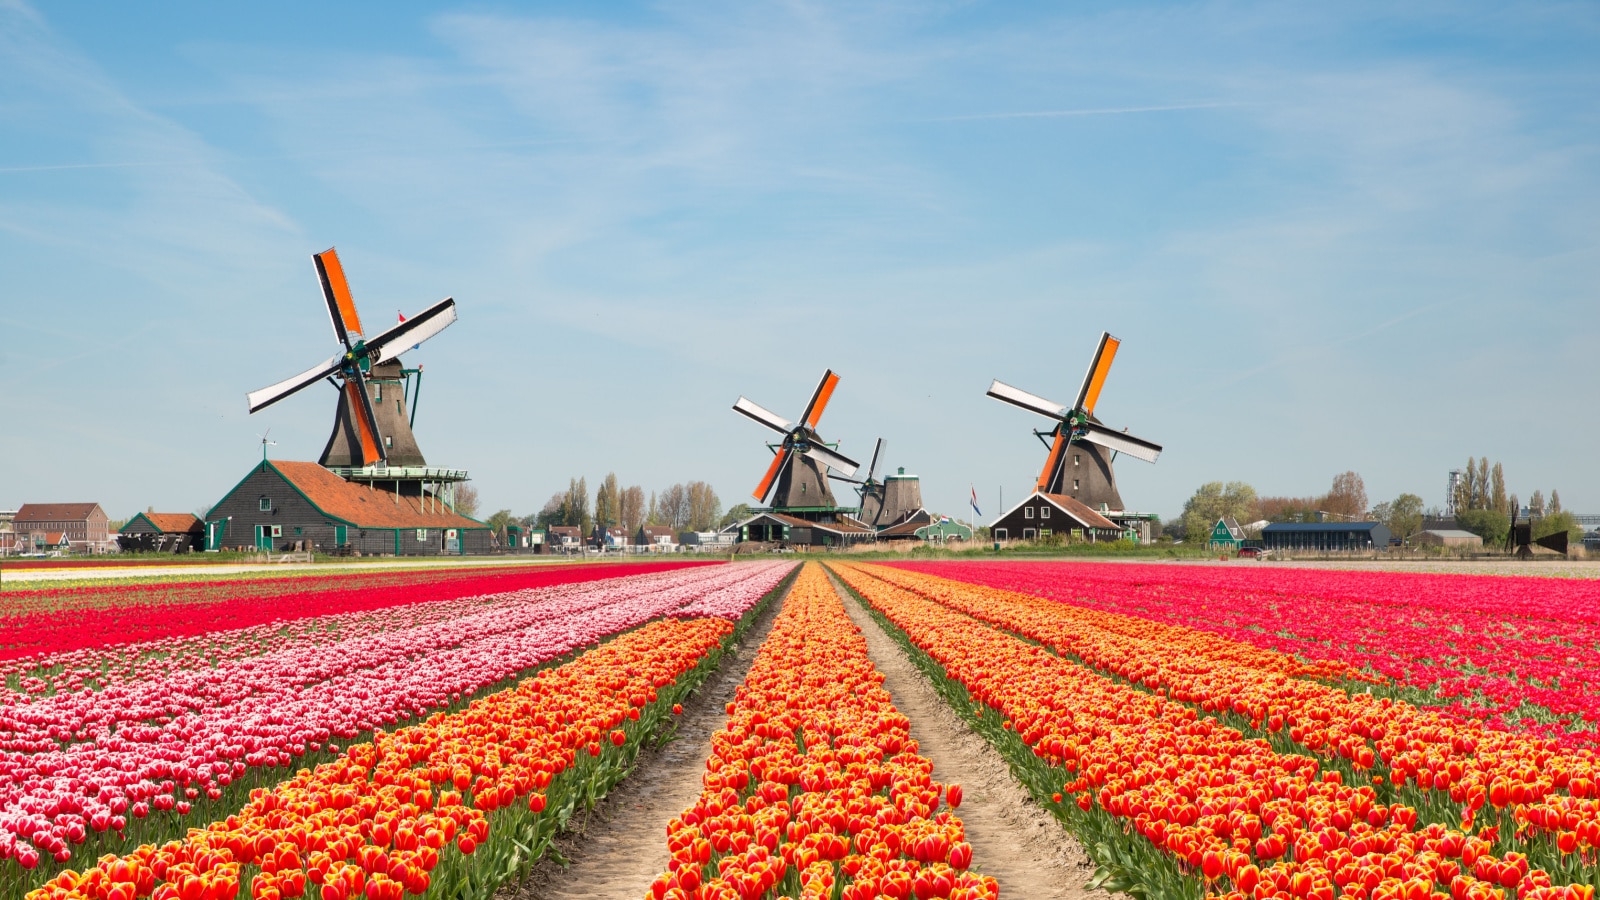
(1326, 537)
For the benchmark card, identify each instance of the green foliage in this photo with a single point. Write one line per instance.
(735, 513)
(1558, 522)
(1215, 500)
(1489, 524)
(1403, 515)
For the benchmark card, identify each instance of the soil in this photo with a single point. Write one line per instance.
(622, 844)
(1012, 839)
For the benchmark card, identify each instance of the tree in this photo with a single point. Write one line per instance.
(554, 511)
(1481, 482)
(1215, 500)
(672, 505)
(575, 508)
(1347, 497)
(201, 511)
(466, 499)
(704, 506)
(1555, 501)
(1287, 509)
(1536, 504)
(1403, 515)
(610, 514)
(1497, 490)
(602, 506)
(1558, 521)
(1514, 506)
(652, 512)
(1488, 524)
(735, 513)
(630, 508)
(498, 522)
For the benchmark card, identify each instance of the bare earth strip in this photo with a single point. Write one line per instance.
(1012, 839)
(623, 845)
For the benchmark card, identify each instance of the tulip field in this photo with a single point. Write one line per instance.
(1200, 730)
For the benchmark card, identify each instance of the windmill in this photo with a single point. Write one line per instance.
(368, 428)
(797, 478)
(1079, 434)
(1520, 539)
(870, 488)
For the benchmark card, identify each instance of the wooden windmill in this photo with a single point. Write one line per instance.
(370, 426)
(870, 488)
(797, 480)
(1079, 465)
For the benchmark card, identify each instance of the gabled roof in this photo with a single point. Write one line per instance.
(1232, 524)
(568, 530)
(363, 505)
(170, 523)
(55, 512)
(1079, 510)
(838, 526)
(656, 531)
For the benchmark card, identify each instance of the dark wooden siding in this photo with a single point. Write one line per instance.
(1058, 522)
(289, 510)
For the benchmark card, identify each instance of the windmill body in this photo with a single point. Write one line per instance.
(387, 384)
(1078, 467)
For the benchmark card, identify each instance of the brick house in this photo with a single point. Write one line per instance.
(84, 526)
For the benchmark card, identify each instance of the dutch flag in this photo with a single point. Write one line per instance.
(975, 510)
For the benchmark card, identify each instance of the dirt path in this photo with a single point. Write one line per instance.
(1012, 838)
(623, 846)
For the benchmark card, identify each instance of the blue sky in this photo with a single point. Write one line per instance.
(1331, 236)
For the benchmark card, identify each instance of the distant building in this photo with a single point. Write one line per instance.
(84, 526)
(657, 537)
(603, 538)
(1226, 534)
(565, 538)
(1334, 537)
(163, 533)
(1448, 537)
(1042, 515)
(784, 529)
(282, 505)
(708, 541)
(944, 530)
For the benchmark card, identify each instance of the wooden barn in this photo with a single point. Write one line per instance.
(1042, 515)
(284, 506)
(792, 531)
(153, 532)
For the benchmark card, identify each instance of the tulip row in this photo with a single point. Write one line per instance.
(1483, 646)
(1538, 799)
(161, 746)
(1181, 803)
(815, 788)
(50, 622)
(450, 807)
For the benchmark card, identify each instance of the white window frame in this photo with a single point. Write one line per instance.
(1044, 512)
(1027, 512)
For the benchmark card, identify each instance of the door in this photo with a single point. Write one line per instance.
(263, 537)
(341, 535)
(214, 534)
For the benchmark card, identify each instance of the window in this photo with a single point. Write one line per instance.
(1028, 534)
(388, 441)
(266, 504)
(422, 534)
(1074, 484)
(999, 534)
(1076, 459)
(1027, 512)
(1044, 532)
(298, 530)
(377, 391)
(1044, 512)
(277, 531)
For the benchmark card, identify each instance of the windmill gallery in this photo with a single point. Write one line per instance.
(373, 492)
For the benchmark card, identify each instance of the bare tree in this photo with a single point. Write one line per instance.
(704, 506)
(1555, 501)
(1536, 503)
(1347, 497)
(466, 498)
(1497, 489)
(630, 508)
(672, 505)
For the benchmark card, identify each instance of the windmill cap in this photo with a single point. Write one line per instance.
(901, 476)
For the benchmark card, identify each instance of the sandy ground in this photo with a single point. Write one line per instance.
(622, 846)
(1012, 839)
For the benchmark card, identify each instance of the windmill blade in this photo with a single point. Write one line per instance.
(1052, 460)
(1099, 368)
(832, 460)
(872, 467)
(764, 489)
(1030, 402)
(366, 420)
(764, 416)
(1122, 442)
(414, 330)
(837, 477)
(819, 399)
(267, 396)
(341, 306)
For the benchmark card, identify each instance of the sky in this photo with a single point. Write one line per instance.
(1331, 236)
